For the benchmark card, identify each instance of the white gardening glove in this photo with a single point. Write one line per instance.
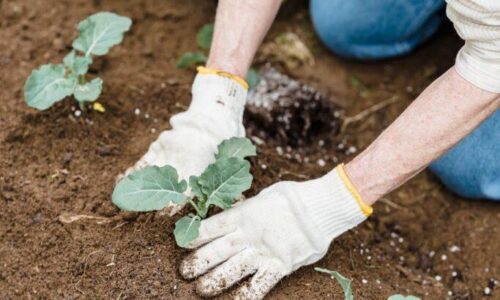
(215, 114)
(285, 227)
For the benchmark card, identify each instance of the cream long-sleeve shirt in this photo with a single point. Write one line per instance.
(478, 24)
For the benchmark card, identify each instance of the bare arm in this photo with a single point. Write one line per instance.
(442, 115)
(240, 27)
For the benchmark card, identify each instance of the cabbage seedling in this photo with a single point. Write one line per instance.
(222, 182)
(344, 282)
(53, 82)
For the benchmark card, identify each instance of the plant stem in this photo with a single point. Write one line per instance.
(81, 104)
(198, 212)
(81, 79)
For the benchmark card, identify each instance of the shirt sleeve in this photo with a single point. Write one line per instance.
(478, 24)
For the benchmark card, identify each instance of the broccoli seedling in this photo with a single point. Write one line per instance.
(53, 82)
(204, 41)
(220, 184)
(344, 282)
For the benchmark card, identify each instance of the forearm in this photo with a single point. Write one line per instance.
(442, 115)
(240, 27)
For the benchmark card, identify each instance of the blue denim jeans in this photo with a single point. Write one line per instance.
(378, 29)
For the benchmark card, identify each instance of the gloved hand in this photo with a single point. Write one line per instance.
(285, 227)
(215, 114)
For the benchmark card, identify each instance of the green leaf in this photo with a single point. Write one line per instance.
(89, 91)
(191, 58)
(186, 230)
(204, 36)
(196, 188)
(100, 32)
(401, 297)
(47, 85)
(235, 147)
(79, 65)
(344, 282)
(151, 188)
(253, 78)
(225, 180)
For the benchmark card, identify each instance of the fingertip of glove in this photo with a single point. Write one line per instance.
(208, 288)
(186, 268)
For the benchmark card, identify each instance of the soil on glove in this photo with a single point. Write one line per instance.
(54, 166)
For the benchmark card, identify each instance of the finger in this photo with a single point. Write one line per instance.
(260, 284)
(210, 255)
(225, 275)
(213, 228)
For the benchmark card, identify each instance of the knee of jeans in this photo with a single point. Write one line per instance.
(335, 26)
(472, 168)
(374, 29)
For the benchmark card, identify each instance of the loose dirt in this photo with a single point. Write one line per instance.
(422, 240)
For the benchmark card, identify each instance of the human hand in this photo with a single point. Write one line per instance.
(285, 227)
(215, 114)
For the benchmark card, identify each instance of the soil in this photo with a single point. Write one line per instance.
(422, 240)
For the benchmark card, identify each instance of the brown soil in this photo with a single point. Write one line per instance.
(52, 163)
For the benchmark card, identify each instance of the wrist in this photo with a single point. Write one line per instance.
(359, 183)
(237, 69)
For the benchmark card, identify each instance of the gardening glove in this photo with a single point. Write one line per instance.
(215, 114)
(285, 227)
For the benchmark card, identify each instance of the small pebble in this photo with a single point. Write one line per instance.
(450, 293)
(137, 111)
(153, 130)
(487, 291)
(438, 277)
(400, 240)
(146, 116)
(351, 150)
(432, 253)
(364, 281)
(279, 150)
(454, 249)
(321, 162)
(444, 257)
(78, 113)
(321, 143)
(263, 166)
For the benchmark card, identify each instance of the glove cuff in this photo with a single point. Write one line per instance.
(334, 204)
(216, 91)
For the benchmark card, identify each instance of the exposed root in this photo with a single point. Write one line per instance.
(367, 112)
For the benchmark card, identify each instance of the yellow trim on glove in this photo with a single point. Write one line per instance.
(366, 209)
(239, 80)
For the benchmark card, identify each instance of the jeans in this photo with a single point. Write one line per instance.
(378, 29)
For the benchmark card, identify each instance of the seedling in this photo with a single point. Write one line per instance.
(204, 41)
(53, 82)
(344, 282)
(222, 182)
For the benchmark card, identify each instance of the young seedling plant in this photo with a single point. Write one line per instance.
(204, 41)
(345, 283)
(53, 82)
(220, 184)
